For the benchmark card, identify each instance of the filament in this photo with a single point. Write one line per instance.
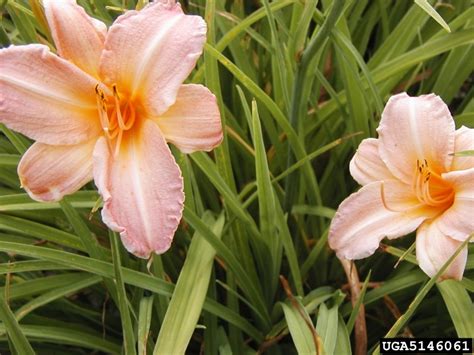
(425, 180)
(115, 118)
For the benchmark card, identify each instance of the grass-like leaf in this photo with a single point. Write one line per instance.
(189, 294)
(426, 6)
(15, 333)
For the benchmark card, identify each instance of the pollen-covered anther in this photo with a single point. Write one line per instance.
(102, 108)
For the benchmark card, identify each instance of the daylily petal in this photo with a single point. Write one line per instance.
(142, 190)
(363, 219)
(46, 97)
(48, 172)
(433, 249)
(464, 141)
(193, 122)
(416, 128)
(366, 166)
(458, 220)
(151, 52)
(78, 37)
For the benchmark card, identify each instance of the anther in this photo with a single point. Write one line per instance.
(114, 87)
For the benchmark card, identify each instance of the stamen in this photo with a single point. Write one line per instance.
(384, 202)
(427, 177)
(427, 180)
(131, 117)
(419, 188)
(427, 196)
(114, 87)
(117, 108)
(392, 209)
(117, 144)
(102, 108)
(116, 118)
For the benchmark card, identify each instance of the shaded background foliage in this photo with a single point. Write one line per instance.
(261, 202)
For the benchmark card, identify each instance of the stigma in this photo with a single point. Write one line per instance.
(117, 115)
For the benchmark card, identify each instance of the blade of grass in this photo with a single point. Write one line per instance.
(277, 114)
(127, 327)
(131, 277)
(459, 306)
(343, 343)
(144, 322)
(189, 293)
(41, 231)
(22, 202)
(388, 287)
(90, 242)
(55, 294)
(360, 300)
(426, 6)
(266, 204)
(240, 28)
(208, 167)
(231, 262)
(9, 159)
(15, 333)
(300, 330)
(327, 326)
(299, 101)
(279, 68)
(19, 142)
(38, 285)
(64, 335)
(82, 231)
(29, 265)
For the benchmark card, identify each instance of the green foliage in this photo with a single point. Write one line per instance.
(299, 84)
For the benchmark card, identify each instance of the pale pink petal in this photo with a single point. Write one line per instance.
(142, 190)
(464, 141)
(78, 37)
(458, 220)
(365, 218)
(193, 122)
(46, 97)
(48, 172)
(366, 166)
(416, 128)
(433, 249)
(151, 52)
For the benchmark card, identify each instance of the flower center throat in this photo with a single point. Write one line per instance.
(430, 188)
(116, 117)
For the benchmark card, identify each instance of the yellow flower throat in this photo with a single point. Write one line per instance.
(430, 188)
(115, 119)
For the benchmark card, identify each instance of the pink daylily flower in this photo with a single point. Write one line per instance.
(104, 109)
(411, 180)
